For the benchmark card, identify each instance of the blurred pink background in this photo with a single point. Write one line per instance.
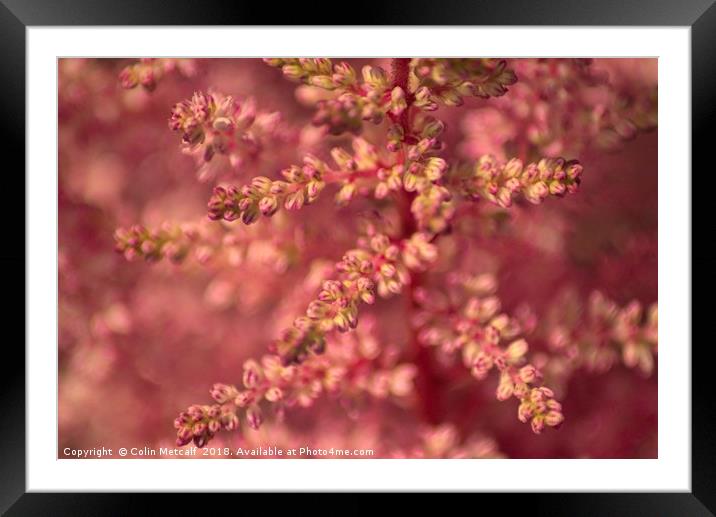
(140, 342)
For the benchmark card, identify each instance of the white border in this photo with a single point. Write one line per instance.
(670, 472)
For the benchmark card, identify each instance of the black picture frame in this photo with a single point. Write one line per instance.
(17, 15)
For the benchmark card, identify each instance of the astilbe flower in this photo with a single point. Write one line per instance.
(466, 318)
(222, 133)
(203, 241)
(171, 241)
(148, 72)
(421, 83)
(369, 96)
(562, 106)
(353, 367)
(263, 196)
(209, 121)
(501, 182)
(399, 168)
(449, 80)
(596, 335)
(379, 263)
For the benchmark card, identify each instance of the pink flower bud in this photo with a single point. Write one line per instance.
(521, 390)
(505, 389)
(184, 436)
(525, 412)
(557, 189)
(517, 349)
(254, 417)
(199, 429)
(537, 424)
(128, 78)
(554, 418)
(268, 205)
(322, 81)
(388, 270)
(196, 412)
(434, 168)
(513, 168)
(374, 77)
(244, 398)
(546, 391)
(433, 128)
(528, 374)
(341, 322)
(222, 393)
(397, 101)
(252, 374)
(181, 420)
(574, 170)
(294, 201)
(504, 198)
(368, 297)
(214, 411)
(230, 421)
(274, 394)
(553, 404)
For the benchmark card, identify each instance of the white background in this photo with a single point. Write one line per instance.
(670, 472)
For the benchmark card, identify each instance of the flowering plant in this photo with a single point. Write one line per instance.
(429, 286)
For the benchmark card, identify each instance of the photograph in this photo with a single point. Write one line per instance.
(357, 258)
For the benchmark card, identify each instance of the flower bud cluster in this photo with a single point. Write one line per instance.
(447, 81)
(216, 126)
(418, 171)
(390, 179)
(606, 333)
(367, 96)
(355, 172)
(500, 182)
(432, 208)
(539, 407)
(170, 240)
(318, 71)
(354, 366)
(378, 264)
(388, 260)
(336, 308)
(467, 318)
(423, 174)
(203, 241)
(365, 169)
(563, 107)
(263, 196)
(147, 72)
(200, 423)
(637, 332)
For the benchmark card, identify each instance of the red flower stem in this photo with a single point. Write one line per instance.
(400, 68)
(426, 381)
(332, 176)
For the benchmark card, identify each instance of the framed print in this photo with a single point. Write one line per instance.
(421, 250)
